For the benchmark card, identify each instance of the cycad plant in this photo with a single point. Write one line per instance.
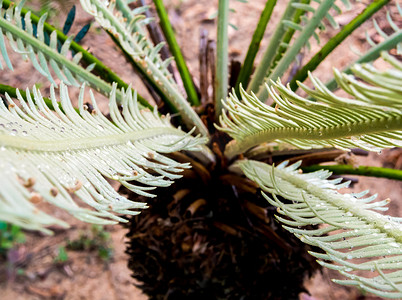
(210, 230)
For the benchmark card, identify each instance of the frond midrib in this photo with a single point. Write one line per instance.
(80, 143)
(393, 123)
(352, 234)
(376, 220)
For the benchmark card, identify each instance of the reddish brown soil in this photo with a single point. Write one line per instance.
(84, 276)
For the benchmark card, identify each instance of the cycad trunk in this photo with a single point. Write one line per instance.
(212, 235)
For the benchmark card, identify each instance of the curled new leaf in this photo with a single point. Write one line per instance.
(364, 245)
(53, 155)
(372, 120)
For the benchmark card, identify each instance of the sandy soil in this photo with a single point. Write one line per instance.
(84, 276)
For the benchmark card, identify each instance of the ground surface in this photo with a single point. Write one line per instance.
(84, 275)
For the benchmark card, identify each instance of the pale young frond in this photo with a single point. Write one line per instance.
(128, 28)
(362, 244)
(372, 120)
(63, 155)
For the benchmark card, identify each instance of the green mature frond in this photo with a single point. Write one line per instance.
(174, 48)
(129, 31)
(222, 58)
(390, 41)
(31, 45)
(267, 61)
(357, 239)
(337, 40)
(54, 155)
(308, 8)
(372, 120)
(396, 30)
(311, 21)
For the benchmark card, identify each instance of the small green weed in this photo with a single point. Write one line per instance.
(95, 239)
(10, 236)
(62, 256)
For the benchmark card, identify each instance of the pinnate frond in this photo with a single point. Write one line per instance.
(29, 40)
(372, 120)
(387, 37)
(311, 22)
(55, 155)
(364, 245)
(128, 28)
(389, 41)
(309, 12)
